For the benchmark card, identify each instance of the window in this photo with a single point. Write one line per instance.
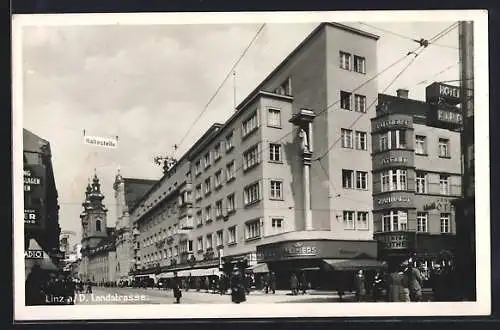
(444, 148)
(231, 205)
(231, 235)
(252, 193)
(229, 142)
(190, 246)
(230, 171)
(199, 219)
(275, 152)
(250, 124)
(98, 225)
(359, 64)
(445, 223)
(218, 179)
(345, 100)
(197, 167)
(274, 118)
(361, 180)
(347, 179)
(277, 223)
(359, 103)
(209, 241)
(348, 219)
(346, 135)
(398, 139)
(219, 239)
(470, 157)
(251, 157)
(362, 220)
(420, 145)
(360, 140)
(345, 61)
(217, 154)
(218, 209)
(276, 189)
(252, 229)
(422, 222)
(285, 88)
(395, 221)
(207, 160)
(200, 244)
(208, 186)
(394, 180)
(385, 139)
(421, 183)
(444, 184)
(208, 213)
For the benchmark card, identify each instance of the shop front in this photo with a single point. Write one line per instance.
(319, 261)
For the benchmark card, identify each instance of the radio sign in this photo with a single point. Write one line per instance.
(33, 254)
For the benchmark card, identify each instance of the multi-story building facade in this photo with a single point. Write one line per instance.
(98, 249)
(416, 176)
(265, 185)
(128, 191)
(41, 209)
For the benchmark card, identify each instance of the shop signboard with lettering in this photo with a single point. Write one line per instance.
(435, 204)
(449, 116)
(312, 249)
(393, 121)
(439, 93)
(393, 200)
(34, 195)
(393, 158)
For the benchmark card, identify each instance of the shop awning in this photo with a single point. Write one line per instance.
(258, 268)
(166, 275)
(353, 264)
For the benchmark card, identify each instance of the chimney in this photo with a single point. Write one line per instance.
(402, 93)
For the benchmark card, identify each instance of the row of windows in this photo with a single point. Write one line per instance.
(396, 139)
(210, 241)
(350, 101)
(398, 221)
(421, 185)
(351, 62)
(354, 179)
(249, 125)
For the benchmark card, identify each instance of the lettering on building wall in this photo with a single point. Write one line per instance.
(442, 205)
(393, 199)
(394, 159)
(33, 254)
(30, 180)
(449, 91)
(393, 122)
(31, 217)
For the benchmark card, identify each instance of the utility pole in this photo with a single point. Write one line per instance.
(465, 215)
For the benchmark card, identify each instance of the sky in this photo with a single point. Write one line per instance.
(147, 84)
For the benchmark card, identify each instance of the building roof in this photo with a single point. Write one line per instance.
(32, 142)
(136, 189)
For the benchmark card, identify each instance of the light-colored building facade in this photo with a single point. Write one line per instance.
(268, 186)
(417, 177)
(128, 191)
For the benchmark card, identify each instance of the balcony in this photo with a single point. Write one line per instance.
(396, 240)
(186, 222)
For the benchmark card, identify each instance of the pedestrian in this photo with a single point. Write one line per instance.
(415, 282)
(266, 282)
(176, 285)
(272, 282)
(405, 282)
(207, 283)
(294, 284)
(377, 287)
(360, 287)
(237, 286)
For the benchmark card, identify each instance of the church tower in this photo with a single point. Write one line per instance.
(94, 215)
(121, 207)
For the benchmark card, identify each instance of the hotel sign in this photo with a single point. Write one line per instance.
(442, 93)
(451, 117)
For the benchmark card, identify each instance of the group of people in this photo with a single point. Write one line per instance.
(51, 288)
(404, 283)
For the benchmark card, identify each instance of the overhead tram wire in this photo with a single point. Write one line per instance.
(421, 41)
(205, 108)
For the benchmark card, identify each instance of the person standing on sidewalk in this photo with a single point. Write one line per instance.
(360, 286)
(415, 283)
(266, 282)
(176, 285)
(272, 281)
(303, 282)
(377, 287)
(294, 284)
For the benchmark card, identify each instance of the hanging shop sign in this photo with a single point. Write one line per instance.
(448, 116)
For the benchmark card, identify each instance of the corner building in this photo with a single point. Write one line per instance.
(265, 186)
(416, 177)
